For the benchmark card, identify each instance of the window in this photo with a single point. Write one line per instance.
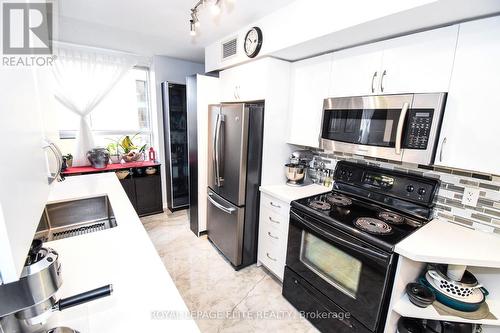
(124, 111)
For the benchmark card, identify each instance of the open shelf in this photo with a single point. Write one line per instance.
(406, 309)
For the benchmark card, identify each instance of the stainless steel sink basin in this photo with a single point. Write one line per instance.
(74, 218)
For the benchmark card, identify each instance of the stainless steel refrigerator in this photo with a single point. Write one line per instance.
(234, 168)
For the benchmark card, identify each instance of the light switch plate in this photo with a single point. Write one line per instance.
(471, 195)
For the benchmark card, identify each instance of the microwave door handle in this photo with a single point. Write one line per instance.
(379, 257)
(228, 210)
(216, 152)
(401, 122)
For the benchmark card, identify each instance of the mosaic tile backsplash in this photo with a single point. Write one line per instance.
(484, 216)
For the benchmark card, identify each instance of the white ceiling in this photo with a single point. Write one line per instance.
(154, 27)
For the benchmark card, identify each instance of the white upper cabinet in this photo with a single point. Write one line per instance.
(470, 131)
(356, 71)
(310, 80)
(244, 83)
(23, 168)
(419, 62)
(416, 63)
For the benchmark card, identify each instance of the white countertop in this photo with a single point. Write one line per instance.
(289, 193)
(440, 241)
(123, 256)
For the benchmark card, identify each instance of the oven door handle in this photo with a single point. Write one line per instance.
(401, 122)
(377, 256)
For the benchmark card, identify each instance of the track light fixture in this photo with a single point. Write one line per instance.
(194, 22)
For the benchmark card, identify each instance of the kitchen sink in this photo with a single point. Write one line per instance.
(75, 218)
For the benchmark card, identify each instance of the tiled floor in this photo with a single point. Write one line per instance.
(249, 300)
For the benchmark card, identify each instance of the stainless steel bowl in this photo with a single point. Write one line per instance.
(295, 172)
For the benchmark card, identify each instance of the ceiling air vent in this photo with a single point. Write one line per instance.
(229, 48)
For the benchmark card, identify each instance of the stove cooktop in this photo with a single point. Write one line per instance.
(373, 223)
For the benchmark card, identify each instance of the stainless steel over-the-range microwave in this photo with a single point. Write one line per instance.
(402, 127)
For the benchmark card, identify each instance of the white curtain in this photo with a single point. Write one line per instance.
(83, 77)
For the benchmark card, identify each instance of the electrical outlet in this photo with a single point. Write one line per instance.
(471, 195)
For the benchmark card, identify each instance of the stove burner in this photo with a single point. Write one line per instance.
(320, 205)
(338, 200)
(373, 226)
(392, 218)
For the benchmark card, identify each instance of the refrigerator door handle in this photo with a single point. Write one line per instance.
(216, 151)
(228, 210)
(220, 150)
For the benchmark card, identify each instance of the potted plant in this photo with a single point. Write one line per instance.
(114, 155)
(129, 151)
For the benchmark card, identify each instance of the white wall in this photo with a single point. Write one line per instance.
(306, 28)
(303, 20)
(175, 71)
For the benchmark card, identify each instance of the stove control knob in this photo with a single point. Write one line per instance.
(421, 191)
(410, 188)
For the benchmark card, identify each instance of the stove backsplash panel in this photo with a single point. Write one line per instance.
(484, 216)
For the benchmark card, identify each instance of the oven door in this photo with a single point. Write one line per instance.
(350, 272)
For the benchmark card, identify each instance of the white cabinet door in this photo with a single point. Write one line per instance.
(419, 62)
(356, 71)
(252, 80)
(309, 87)
(207, 92)
(23, 169)
(470, 129)
(228, 83)
(246, 82)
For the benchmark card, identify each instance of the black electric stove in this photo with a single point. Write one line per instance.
(364, 219)
(340, 252)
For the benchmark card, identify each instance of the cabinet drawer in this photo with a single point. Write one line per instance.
(273, 219)
(270, 255)
(271, 234)
(275, 205)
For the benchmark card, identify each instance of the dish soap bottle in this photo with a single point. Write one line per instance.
(328, 178)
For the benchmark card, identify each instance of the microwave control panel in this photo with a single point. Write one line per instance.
(418, 128)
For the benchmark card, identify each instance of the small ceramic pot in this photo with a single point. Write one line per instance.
(150, 170)
(98, 157)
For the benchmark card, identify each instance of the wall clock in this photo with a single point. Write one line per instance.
(253, 42)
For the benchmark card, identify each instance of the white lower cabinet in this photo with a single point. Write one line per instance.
(273, 234)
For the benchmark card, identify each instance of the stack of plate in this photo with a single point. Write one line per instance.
(467, 297)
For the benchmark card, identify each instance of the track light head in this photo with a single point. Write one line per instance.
(192, 26)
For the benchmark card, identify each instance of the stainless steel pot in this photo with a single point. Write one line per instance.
(27, 304)
(295, 173)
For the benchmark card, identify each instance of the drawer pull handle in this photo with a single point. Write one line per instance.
(275, 205)
(273, 220)
(273, 259)
(270, 235)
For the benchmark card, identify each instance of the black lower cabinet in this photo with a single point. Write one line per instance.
(144, 192)
(129, 187)
(148, 195)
